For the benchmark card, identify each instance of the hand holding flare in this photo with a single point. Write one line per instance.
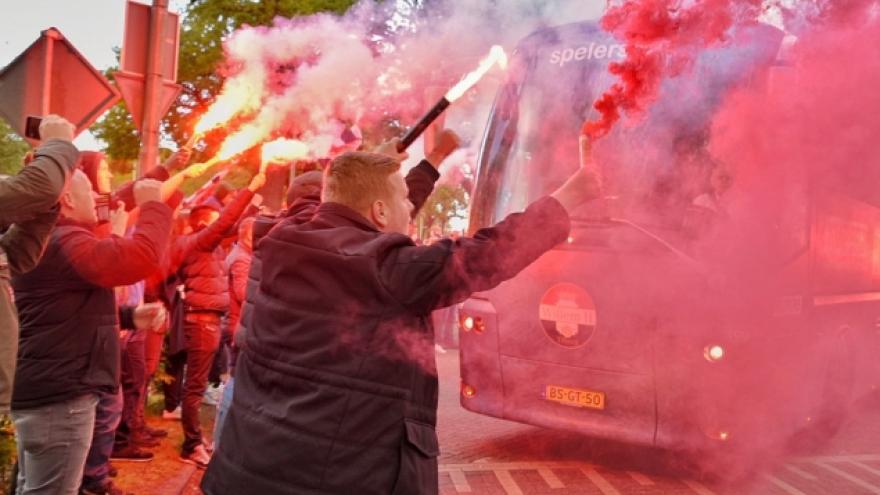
(584, 185)
(496, 56)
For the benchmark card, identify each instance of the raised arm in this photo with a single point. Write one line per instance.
(430, 277)
(36, 188)
(213, 235)
(123, 261)
(161, 173)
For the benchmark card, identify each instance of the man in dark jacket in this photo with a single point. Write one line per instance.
(27, 214)
(202, 268)
(68, 349)
(336, 387)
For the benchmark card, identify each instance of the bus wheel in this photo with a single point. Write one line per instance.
(835, 395)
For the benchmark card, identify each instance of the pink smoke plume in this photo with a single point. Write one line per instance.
(816, 117)
(662, 39)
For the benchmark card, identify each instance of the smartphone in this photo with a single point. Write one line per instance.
(102, 208)
(32, 127)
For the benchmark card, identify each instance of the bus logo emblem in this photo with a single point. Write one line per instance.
(568, 315)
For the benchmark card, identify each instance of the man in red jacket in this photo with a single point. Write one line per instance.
(336, 387)
(201, 265)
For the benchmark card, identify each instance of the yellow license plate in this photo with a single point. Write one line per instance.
(575, 397)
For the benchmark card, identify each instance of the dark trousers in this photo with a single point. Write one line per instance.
(220, 366)
(134, 378)
(202, 335)
(173, 389)
(108, 412)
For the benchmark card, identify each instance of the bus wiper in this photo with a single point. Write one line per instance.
(663, 242)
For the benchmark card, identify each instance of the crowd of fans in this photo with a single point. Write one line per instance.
(319, 315)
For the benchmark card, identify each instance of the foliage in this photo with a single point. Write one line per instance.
(12, 149)
(205, 24)
(7, 452)
(447, 202)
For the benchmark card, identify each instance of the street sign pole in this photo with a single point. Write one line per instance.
(46, 103)
(153, 85)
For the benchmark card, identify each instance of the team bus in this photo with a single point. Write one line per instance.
(665, 320)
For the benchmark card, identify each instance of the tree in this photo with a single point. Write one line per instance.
(12, 149)
(205, 24)
(447, 202)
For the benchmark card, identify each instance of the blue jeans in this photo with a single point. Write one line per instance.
(53, 442)
(108, 412)
(222, 409)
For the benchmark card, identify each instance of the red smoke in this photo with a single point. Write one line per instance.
(662, 39)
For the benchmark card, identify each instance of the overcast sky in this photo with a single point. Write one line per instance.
(94, 27)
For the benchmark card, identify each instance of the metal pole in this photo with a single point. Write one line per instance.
(152, 87)
(48, 55)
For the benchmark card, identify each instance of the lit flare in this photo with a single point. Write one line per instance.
(246, 138)
(238, 96)
(283, 150)
(496, 56)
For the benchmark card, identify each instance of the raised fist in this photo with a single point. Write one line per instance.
(389, 148)
(56, 127)
(147, 190)
(178, 159)
(442, 144)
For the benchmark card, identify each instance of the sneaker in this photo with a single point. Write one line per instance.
(439, 349)
(213, 395)
(131, 454)
(175, 414)
(108, 489)
(145, 440)
(155, 432)
(199, 456)
(209, 445)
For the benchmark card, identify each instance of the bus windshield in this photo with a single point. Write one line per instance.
(656, 163)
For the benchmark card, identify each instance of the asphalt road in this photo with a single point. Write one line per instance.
(483, 455)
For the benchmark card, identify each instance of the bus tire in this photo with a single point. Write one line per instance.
(836, 395)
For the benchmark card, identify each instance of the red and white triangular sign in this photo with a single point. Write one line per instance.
(131, 86)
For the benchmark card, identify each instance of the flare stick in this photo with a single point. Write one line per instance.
(423, 124)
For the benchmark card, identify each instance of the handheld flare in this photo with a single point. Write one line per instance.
(208, 164)
(496, 55)
(282, 150)
(423, 124)
(192, 141)
(586, 152)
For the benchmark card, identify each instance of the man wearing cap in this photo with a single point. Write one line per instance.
(201, 264)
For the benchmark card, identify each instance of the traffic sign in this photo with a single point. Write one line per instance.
(135, 44)
(51, 76)
(132, 88)
(134, 61)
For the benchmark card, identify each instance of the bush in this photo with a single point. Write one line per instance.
(7, 453)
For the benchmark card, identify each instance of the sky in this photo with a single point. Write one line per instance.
(94, 27)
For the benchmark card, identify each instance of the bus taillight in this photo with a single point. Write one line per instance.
(468, 391)
(474, 323)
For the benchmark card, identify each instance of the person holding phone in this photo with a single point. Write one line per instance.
(28, 211)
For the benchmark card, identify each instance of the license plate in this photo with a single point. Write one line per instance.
(575, 397)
